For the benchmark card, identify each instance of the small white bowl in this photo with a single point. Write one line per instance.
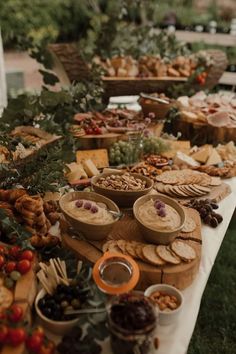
(166, 318)
(56, 327)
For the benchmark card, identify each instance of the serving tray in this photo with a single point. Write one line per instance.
(181, 275)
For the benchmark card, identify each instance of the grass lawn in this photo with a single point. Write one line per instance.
(215, 331)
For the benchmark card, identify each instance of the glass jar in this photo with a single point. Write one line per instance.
(132, 320)
(136, 143)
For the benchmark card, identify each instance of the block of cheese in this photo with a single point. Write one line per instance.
(202, 154)
(214, 158)
(183, 159)
(76, 172)
(90, 168)
(99, 157)
(176, 145)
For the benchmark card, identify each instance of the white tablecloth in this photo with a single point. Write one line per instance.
(175, 338)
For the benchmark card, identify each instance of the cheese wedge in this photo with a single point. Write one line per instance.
(214, 158)
(77, 172)
(99, 157)
(202, 154)
(90, 168)
(181, 158)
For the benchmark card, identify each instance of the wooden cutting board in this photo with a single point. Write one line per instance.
(181, 275)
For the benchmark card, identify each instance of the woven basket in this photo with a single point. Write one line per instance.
(69, 62)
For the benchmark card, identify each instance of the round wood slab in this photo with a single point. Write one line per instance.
(181, 275)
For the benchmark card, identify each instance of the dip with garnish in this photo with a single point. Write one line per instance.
(89, 211)
(159, 216)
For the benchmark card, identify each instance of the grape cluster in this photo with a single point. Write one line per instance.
(153, 145)
(160, 208)
(123, 152)
(206, 208)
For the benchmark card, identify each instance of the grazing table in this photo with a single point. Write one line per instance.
(175, 338)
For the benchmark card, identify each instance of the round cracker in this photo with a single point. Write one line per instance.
(149, 253)
(105, 247)
(113, 247)
(189, 225)
(164, 253)
(183, 250)
(130, 248)
(215, 181)
(139, 252)
(122, 244)
(6, 298)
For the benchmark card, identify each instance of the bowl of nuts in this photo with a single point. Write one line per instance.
(169, 301)
(123, 188)
(90, 214)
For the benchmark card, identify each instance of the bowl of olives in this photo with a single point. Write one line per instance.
(52, 309)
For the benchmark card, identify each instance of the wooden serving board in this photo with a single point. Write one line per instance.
(180, 275)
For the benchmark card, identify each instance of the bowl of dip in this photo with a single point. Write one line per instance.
(123, 188)
(160, 218)
(90, 214)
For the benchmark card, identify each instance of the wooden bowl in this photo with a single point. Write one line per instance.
(155, 236)
(89, 231)
(124, 199)
(159, 109)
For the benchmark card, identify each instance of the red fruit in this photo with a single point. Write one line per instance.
(2, 261)
(10, 266)
(15, 313)
(2, 315)
(39, 331)
(14, 251)
(3, 333)
(16, 336)
(34, 342)
(27, 254)
(3, 250)
(48, 348)
(23, 266)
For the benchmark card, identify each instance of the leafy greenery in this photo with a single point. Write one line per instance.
(53, 112)
(13, 231)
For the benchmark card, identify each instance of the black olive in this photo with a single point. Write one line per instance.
(47, 312)
(41, 302)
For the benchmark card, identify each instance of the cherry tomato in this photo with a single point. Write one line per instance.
(3, 250)
(3, 333)
(10, 266)
(2, 261)
(48, 348)
(3, 315)
(14, 251)
(34, 342)
(23, 266)
(39, 331)
(15, 313)
(27, 254)
(16, 336)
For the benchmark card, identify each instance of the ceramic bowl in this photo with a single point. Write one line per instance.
(56, 327)
(124, 199)
(159, 236)
(167, 318)
(89, 231)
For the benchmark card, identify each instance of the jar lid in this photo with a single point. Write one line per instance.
(115, 273)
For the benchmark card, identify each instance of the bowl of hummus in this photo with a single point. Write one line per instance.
(160, 218)
(90, 214)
